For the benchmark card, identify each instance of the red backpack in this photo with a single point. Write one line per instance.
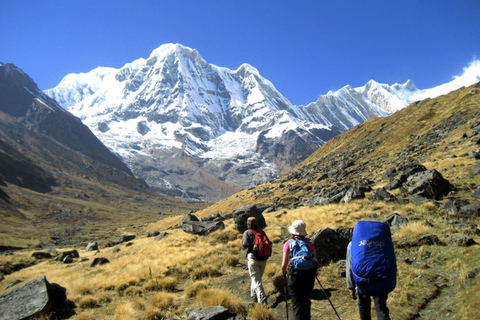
(262, 246)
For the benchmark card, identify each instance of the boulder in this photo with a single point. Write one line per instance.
(120, 239)
(461, 241)
(41, 255)
(210, 313)
(34, 299)
(153, 234)
(429, 184)
(476, 193)
(92, 246)
(395, 221)
(201, 228)
(242, 213)
(68, 256)
(462, 208)
(330, 245)
(160, 236)
(381, 194)
(99, 261)
(353, 193)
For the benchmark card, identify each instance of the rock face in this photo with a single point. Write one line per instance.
(35, 298)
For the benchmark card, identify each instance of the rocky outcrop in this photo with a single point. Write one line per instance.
(191, 224)
(36, 298)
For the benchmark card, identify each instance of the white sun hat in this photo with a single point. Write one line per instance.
(298, 228)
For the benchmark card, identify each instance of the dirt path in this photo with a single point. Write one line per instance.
(439, 305)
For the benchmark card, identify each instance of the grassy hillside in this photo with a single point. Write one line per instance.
(166, 279)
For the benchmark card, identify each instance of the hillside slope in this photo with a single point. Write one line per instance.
(57, 180)
(437, 280)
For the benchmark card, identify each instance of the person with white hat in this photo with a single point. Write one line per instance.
(300, 260)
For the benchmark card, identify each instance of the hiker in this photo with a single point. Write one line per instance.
(373, 258)
(300, 260)
(259, 249)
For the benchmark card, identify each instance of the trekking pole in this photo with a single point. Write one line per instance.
(285, 290)
(328, 298)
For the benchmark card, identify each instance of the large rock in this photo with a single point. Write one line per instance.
(201, 228)
(429, 184)
(242, 213)
(210, 313)
(330, 245)
(381, 194)
(36, 298)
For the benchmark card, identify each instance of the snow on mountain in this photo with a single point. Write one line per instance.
(193, 129)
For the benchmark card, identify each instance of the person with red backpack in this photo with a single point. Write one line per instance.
(259, 249)
(300, 260)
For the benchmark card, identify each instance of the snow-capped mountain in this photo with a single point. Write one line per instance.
(190, 128)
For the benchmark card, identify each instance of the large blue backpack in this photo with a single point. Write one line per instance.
(301, 257)
(374, 266)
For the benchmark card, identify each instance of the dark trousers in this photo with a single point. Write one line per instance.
(300, 286)
(365, 305)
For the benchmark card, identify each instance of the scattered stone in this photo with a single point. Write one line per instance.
(476, 193)
(92, 246)
(214, 217)
(462, 208)
(462, 241)
(418, 199)
(41, 255)
(68, 256)
(381, 194)
(472, 274)
(395, 221)
(99, 261)
(152, 234)
(120, 239)
(353, 193)
(160, 236)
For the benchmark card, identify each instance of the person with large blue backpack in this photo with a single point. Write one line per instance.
(299, 259)
(371, 267)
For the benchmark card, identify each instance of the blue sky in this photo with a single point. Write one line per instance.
(305, 48)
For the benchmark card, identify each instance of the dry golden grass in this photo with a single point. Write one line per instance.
(162, 300)
(260, 312)
(219, 261)
(195, 287)
(88, 302)
(85, 316)
(221, 297)
(412, 231)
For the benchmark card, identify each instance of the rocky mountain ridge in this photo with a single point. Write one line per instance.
(174, 115)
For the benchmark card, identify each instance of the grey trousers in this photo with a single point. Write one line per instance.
(365, 305)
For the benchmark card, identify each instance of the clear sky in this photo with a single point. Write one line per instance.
(304, 47)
